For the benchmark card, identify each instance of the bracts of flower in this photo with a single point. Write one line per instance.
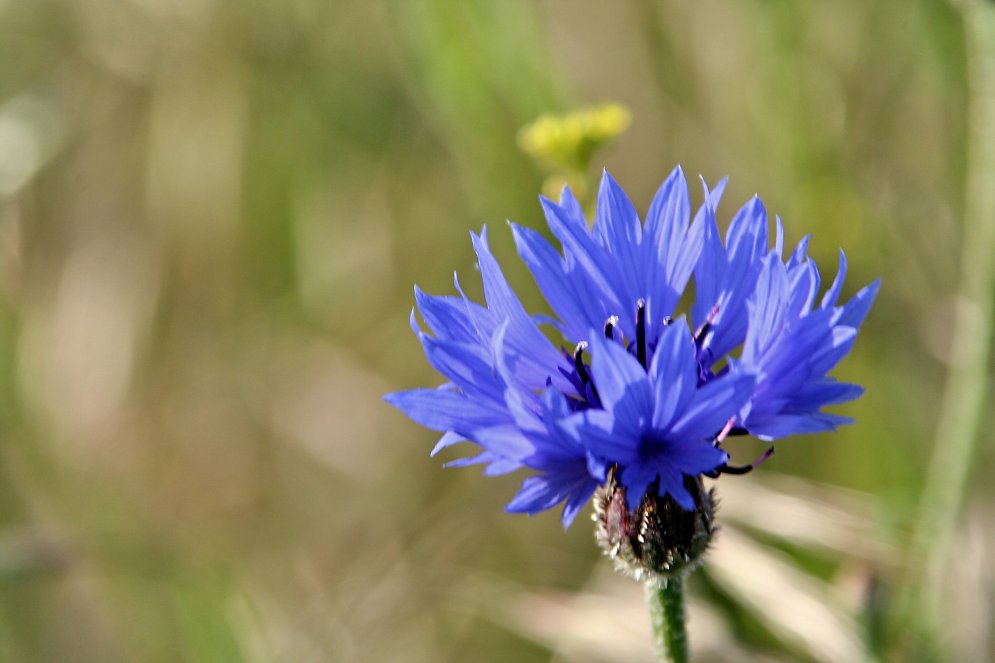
(638, 402)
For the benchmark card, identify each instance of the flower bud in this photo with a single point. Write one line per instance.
(659, 539)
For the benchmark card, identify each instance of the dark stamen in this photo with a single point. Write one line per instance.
(610, 325)
(702, 332)
(745, 469)
(667, 321)
(737, 430)
(579, 362)
(641, 332)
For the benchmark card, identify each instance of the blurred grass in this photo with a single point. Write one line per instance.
(211, 216)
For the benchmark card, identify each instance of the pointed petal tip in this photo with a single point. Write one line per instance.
(567, 197)
(677, 174)
(396, 400)
(570, 512)
(549, 205)
(480, 238)
(447, 440)
(704, 187)
(608, 183)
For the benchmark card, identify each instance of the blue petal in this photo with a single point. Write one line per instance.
(829, 354)
(636, 478)
(545, 491)
(447, 440)
(672, 481)
(667, 258)
(523, 403)
(555, 283)
(536, 358)
(446, 316)
(467, 366)
(561, 440)
(443, 410)
(596, 431)
(500, 298)
(598, 468)
(819, 393)
(852, 313)
(673, 374)
(621, 382)
(803, 287)
(766, 309)
(505, 442)
(495, 464)
(785, 425)
(712, 198)
(748, 229)
(536, 494)
(729, 280)
(617, 225)
(800, 253)
(501, 466)
(572, 207)
(592, 261)
(483, 320)
(577, 501)
(694, 458)
(832, 295)
(708, 273)
(712, 407)
(667, 218)
(682, 267)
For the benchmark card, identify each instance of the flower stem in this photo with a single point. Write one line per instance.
(666, 599)
(962, 411)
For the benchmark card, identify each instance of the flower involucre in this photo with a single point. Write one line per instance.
(639, 393)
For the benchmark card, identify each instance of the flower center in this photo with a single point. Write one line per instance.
(640, 349)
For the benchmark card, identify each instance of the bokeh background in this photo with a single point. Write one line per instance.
(212, 213)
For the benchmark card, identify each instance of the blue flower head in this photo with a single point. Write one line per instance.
(638, 394)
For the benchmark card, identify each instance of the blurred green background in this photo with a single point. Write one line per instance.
(212, 213)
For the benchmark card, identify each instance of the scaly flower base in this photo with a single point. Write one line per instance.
(659, 543)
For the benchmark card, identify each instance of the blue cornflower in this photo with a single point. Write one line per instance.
(638, 397)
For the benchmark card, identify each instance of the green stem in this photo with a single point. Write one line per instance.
(962, 409)
(666, 599)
